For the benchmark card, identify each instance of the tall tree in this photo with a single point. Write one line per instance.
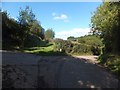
(10, 31)
(49, 34)
(106, 23)
(26, 16)
(17, 32)
(26, 19)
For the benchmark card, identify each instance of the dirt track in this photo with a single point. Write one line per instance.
(33, 71)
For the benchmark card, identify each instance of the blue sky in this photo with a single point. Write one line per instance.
(66, 19)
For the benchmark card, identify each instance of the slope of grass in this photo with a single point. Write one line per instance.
(44, 51)
(39, 49)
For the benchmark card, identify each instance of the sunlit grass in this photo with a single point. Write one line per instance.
(39, 49)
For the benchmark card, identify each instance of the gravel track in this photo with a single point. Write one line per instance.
(54, 72)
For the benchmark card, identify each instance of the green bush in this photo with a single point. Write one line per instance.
(32, 41)
(65, 46)
(86, 45)
(93, 42)
(96, 50)
(81, 49)
(75, 48)
(111, 61)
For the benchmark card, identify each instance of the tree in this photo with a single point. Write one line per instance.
(25, 19)
(106, 22)
(16, 33)
(71, 38)
(49, 34)
(10, 31)
(29, 24)
(37, 29)
(26, 16)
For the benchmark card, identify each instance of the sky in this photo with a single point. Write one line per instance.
(65, 18)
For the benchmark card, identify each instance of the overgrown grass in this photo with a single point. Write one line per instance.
(44, 51)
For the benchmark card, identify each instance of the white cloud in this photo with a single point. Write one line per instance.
(63, 17)
(76, 32)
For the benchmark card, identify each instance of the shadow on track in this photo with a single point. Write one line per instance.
(53, 70)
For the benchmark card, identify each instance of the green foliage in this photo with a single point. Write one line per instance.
(37, 29)
(92, 40)
(112, 62)
(49, 34)
(86, 45)
(81, 49)
(26, 16)
(27, 31)
(11, 34)
(46, 50)
(96, 50)
(29, 24)
(106, 23)
(32, 41)
(92, 43)
(39, 49)
(71, 38)
(65, 46)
